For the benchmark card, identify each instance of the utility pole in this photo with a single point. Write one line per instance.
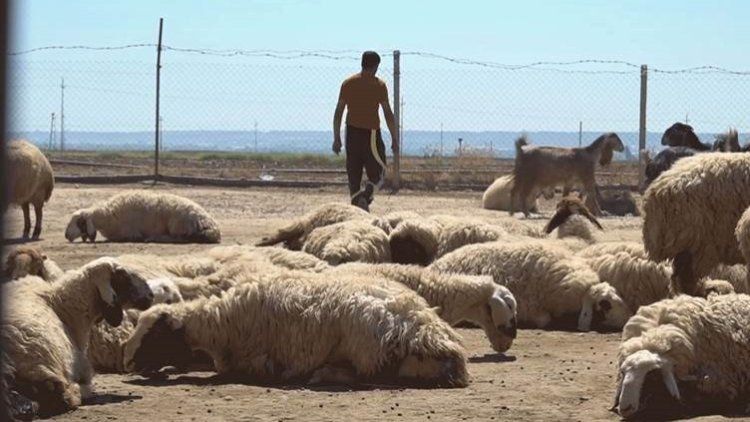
(256, 136)
(686, 118)
(161, 133)
(580, 133)
(158, 80)
(62, 115)
(51, 132)
(441, 139)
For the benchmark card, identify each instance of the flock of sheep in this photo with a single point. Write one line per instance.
(341, 295)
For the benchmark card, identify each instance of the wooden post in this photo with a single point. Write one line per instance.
(397, 116)
(158, 79)
(642, 126)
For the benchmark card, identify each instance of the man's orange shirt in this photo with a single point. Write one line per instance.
(362, 95)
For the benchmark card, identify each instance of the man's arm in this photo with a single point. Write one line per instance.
(390, 120)
(337, 116)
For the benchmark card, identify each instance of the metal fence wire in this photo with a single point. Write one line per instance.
(267, 115)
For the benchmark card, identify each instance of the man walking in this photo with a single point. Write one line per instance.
(362, 94)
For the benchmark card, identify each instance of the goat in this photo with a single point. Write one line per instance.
(540, 167)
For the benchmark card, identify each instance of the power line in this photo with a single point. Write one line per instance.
(553, 66)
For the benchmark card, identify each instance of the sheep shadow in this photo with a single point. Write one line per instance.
(103, 399)
(215, 380)
(20, 241)
(492, 358)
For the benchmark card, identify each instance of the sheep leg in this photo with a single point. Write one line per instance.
(55, 395)
(26, 220)
(591, 201)
(38, 225)
(333, 374)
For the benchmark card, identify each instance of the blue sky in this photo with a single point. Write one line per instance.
(113, 90)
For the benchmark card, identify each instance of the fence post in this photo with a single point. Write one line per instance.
(158, 79)
(397, 116)
(642, 127)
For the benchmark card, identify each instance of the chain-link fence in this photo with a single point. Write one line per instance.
(267, 116)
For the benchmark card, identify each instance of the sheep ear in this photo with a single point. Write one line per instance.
(112, 310)
(91, 229)
(559, 218)
(586, 315)
(586, 213)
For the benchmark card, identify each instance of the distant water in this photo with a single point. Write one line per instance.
(415, 143)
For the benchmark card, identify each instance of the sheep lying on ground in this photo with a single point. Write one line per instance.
(617, 202)
(476, 299)
(742, 234)
(542, 167)
(497, 195)
(349, 241)
(138, 216)
(29, 180)
(106, 342)
(547, 282)
(414, 241)
(46, 327)
(686, 353)
(736, 275)
(27, 260)
(298, 325)
(293, 235)
(684, 222)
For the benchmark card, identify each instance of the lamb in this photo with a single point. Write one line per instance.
(547, 282)
(138, 216)
(296, 325)
(542, 167)
(348, 241)
(30, 181)
(742, 233)
(693, 349)
(476, 299)
(293, 235)
(682, 221)
(46, 327)
(497, 195)
(27, 260)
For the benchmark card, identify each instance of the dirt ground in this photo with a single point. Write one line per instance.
(546, 375)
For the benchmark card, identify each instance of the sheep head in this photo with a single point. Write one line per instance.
(118, 288)
(81, 225)
(158, 341)
(565, 208)
(727, 142)
(164, 290)
(680, 134)
(612, 143)
(23, 261)
(502, 309)
(603, 308)
(633, 372)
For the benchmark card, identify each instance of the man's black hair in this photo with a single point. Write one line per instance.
(370, 59)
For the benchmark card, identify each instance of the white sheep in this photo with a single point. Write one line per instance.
(497, 195)
(348, 241)
(691, 212)
(547, 282)
(476, 299)
(29, 181)
(697, 348)
(293, 235)
(296, 324)
(736, 275)
(137, 216)
(46, 327)
(742, 234)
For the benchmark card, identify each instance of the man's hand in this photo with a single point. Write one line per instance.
(336, 146)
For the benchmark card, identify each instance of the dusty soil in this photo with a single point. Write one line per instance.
(546, 375)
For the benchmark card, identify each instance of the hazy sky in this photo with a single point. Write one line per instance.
(114, 90)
